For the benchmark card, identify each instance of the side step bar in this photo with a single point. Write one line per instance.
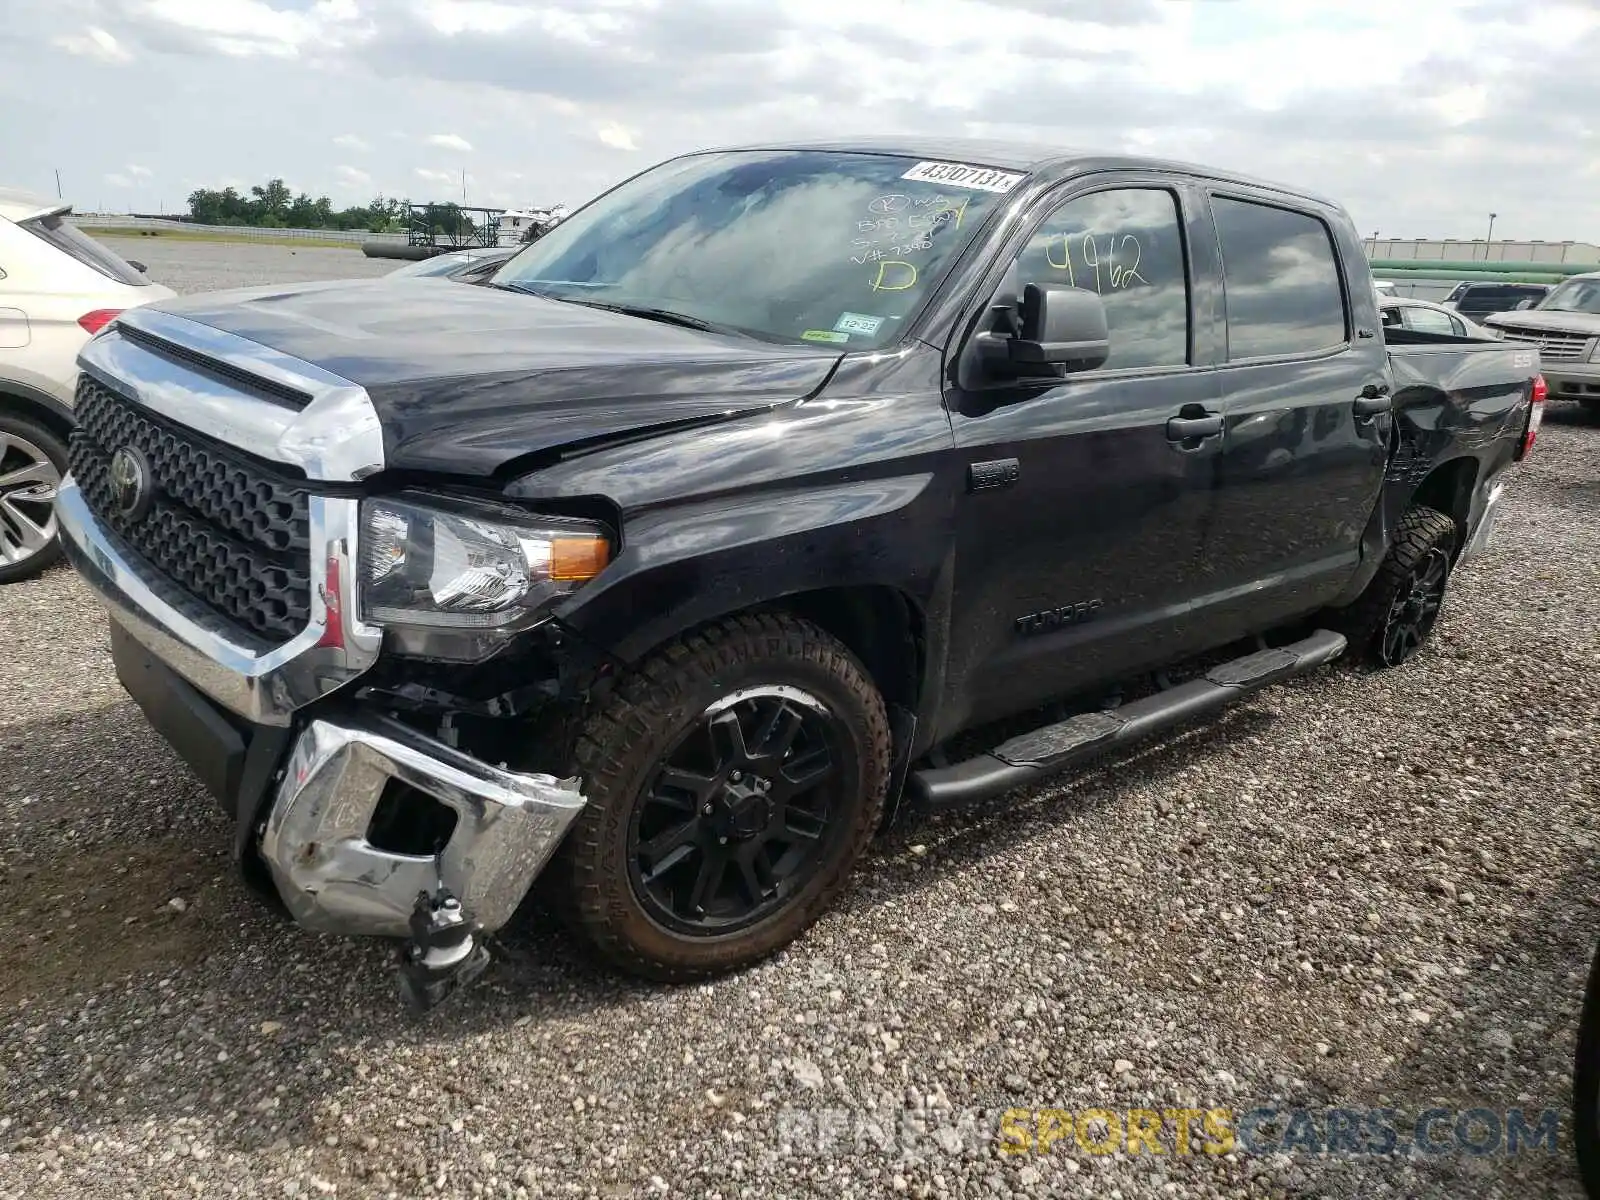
(1031, 757)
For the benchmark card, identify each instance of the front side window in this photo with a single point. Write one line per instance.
(793, 246)
(1126, 245)
(1281, 280)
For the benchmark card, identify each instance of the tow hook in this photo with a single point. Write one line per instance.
(444, 952)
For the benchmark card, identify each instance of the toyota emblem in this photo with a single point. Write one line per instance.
(130, 483)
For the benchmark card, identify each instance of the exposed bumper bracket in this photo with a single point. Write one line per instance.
(333, 879)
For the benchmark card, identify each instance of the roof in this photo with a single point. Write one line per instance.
(1030, 157)
(18, 205)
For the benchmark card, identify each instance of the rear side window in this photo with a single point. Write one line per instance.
(70, 240)
(1428, 320)
(1127, 245)
(1282, 281)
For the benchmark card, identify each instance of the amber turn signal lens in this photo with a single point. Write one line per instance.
(578, 557)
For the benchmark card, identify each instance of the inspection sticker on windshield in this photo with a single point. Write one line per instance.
(982, 179)
(857, 323)
(824, 335)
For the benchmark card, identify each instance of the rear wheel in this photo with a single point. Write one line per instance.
(1395, 616)
(32, 462)
(733, 780)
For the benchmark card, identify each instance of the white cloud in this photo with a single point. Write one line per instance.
(353, 176)
(1420, 119)
(138, 172)
(616, 135)
(252, 28)
(96, 43)
(116, 179)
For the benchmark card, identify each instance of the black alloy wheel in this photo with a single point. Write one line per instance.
(733, 777)
(737, 819)
(1415, 608)
(1392, 619)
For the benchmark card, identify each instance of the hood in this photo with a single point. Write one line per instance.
(465, 379)
(1554, 320)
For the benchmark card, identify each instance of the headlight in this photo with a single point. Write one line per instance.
(436, 562)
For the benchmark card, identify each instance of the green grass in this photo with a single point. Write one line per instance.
(166, 235)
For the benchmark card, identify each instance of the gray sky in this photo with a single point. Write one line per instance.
(1422, 117)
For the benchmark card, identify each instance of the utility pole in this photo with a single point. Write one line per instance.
(58, 184)
(1490, 238)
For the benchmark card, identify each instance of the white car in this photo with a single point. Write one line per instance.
(1424, 316)
(58, 287)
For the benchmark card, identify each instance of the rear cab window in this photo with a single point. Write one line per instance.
(74, 242)
(1283, 292)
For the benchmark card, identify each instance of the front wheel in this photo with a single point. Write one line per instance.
(733, 780)
(1395, 616)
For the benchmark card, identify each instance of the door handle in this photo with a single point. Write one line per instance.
(1373, 401)
(1184, 429)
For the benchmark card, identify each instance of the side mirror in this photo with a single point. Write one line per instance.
(1059, 328)
(138, 266)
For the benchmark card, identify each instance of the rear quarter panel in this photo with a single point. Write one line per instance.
(1455, 400)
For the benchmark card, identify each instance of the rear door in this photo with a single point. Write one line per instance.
(1305, 452)
(1079, 533)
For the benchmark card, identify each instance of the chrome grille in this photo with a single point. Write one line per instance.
(233, 533)
(1553, 345)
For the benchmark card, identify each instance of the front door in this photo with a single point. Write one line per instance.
(1084, 513)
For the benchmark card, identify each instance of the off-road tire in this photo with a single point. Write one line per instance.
(46, 440)
(622, 745)
(1423, 533)
(1586, 1085)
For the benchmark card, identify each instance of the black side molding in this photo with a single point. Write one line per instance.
(1031, 757)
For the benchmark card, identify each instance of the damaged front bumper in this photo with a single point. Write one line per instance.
(304, 775)
(333, 878)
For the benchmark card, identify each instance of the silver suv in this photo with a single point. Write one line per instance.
(1566, 328)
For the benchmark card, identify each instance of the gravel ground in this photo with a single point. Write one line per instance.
(1357, 890)
(196, 266)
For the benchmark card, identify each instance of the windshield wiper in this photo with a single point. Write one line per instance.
(665, 315)
(522, 290)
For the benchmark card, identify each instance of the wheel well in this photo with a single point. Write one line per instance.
(881, 628)
(19, 405)
(1448, 489)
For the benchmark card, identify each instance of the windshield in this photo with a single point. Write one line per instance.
(1576, 295)
(800, 246)
(71, 240)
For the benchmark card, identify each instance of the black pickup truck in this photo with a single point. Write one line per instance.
(666, 564)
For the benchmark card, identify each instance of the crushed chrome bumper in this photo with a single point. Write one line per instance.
(333, 879)
(230, 703)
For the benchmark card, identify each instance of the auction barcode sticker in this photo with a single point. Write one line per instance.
(983, 179)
